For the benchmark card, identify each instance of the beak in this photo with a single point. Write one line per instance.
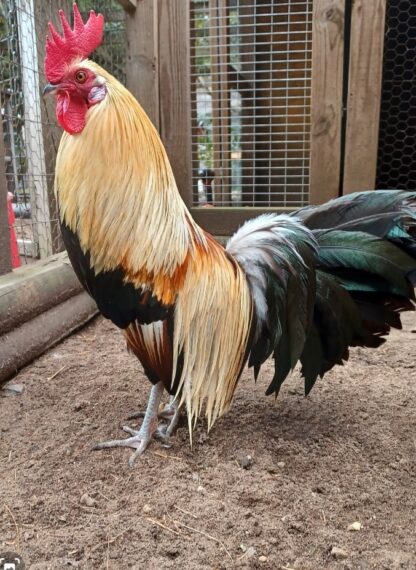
(49, 88)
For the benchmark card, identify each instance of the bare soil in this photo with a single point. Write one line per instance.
(345, 454)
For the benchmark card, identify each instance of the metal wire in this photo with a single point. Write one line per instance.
(396, 166)
(31, 135)
(251, 84)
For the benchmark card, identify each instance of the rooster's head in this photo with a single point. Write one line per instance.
(71, 76)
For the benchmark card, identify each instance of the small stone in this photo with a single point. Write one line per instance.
(80, 405)
(281, 464)
(243, 547)
(250, 552)
(146, 508)
(200, 489)
(262, 558)
(28, 535)
(13, 389)
(87, 500)
(246, 462)
(354, 526)
(339, 553)
(62, 518)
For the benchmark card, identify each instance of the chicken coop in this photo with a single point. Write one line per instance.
(262, 106)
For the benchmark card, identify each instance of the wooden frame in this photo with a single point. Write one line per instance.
(326, 104)
(159, 66)
(364, 94)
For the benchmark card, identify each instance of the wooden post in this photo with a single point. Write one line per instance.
(364, 94)
(36, 170)
(326, 104)
(175, 85)
(5, 257)
(51, 131)
(142, 55)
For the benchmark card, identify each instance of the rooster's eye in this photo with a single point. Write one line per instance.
(81, 76)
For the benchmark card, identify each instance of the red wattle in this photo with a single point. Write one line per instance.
(70, 111)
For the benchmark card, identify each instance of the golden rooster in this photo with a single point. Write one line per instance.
(302, 287)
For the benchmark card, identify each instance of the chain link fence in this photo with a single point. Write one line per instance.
(30, 132)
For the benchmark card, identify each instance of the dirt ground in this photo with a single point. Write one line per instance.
(345, 454)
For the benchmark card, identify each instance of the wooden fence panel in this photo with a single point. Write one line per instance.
(175, 85)
(364, 94)
(326, 104)
(5, 254)
(142, 60)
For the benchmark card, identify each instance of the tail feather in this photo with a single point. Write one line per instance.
(339, 279)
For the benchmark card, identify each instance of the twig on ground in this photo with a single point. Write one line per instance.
(185, 512)
(110, 540)
(165, 456)
(217, 540)
(158, 523)
(17, 529)
(56, 373)
(102, 494)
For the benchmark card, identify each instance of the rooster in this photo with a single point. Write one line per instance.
(302, 287)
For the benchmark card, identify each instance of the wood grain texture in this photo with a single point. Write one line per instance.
(225, 221)
(51, 131)
(364, 94)
(175, 90)
(128, 5)
(142, 56)
(5, 253)
(326, 111)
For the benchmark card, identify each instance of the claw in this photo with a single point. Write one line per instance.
(138, 441)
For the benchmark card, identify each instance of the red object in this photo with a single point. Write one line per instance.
(75, 43)
(14, 250)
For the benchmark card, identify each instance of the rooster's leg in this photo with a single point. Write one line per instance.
(173, 413)
(139, 440)
(165, 414)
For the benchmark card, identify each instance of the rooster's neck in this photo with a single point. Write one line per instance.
(117, 192)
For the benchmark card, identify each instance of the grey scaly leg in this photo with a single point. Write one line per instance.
(173, 413)
(140, 439)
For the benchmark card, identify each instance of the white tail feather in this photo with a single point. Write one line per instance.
(256, 246)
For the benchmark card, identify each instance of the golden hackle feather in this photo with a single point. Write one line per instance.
(118, 194)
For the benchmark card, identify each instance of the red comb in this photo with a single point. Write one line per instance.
(79, 42)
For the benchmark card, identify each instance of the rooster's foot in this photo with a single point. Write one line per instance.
(139, 440)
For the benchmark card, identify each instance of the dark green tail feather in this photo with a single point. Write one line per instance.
(350, 294)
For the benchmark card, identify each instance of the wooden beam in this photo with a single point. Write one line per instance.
(142, 56)
(35, 288)
(364, 94)
(326, 111)
(5, 252)
(128, 5)
(226, 220)
(175, 90)
(23, 344)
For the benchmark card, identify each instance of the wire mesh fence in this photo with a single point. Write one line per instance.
(251, 87)
(31, 135)
(397, 137)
